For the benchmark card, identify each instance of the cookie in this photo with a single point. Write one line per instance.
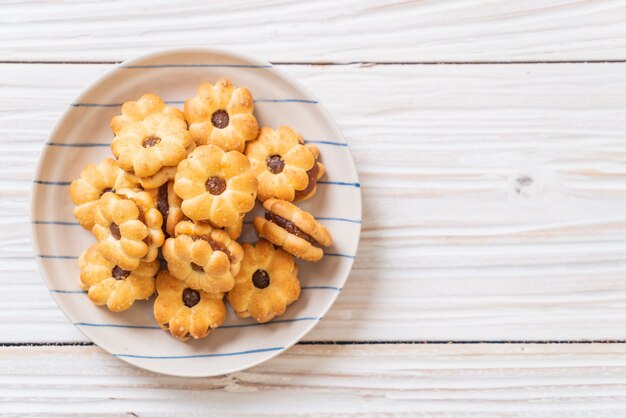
(266, 284)
(109, 284)
(158, 179)
(162, 176)
(149, 136)
(216, 239)
(186, 312)
(234, 231)
(137, 111)
(314, 174)
(281, 163)
(293, 229)
(151, 216)
(221, 115)
(94, 181)
(215, 186)
(128, 228)
(203, 257)
(168, 204)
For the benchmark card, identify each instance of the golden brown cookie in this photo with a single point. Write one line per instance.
(281, 163)
(110, 285)
(149, 136)
(150, 215)
(186, 312)
(234, 231)
(158, 179)
(129, 230)
(217, 240)
(221, 115)
(162, 176)
(215, 186)
(203, 257)
(93, 182)
(314, 174)
(293, 229)
(266, 284)
(137, 111)
(168, 204)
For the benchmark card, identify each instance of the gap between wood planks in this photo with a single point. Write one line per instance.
(395, 342)
(362, 63)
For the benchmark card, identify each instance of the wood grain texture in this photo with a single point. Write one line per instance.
(321, 31)
(494, 199)
(526, 380)
(494, 206)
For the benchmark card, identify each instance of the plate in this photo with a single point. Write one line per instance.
(83, 136)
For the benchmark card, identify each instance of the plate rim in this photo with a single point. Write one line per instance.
(141, 58)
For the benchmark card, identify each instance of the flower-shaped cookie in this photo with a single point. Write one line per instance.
(162, 176)
(184, 311)
(168, 204)
(266, 284)
(110, 285)
(215, 186)
(136, 111)
(149, 136)
(221, 115)
(94, 181)
(234, 230)
(151, 216)
(203, 257)
(128, 228)
(315, 173)
(158, 179)
(293, 229)
(280, 162)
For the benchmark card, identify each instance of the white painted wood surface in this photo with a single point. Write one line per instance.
(319, 31)
(442, 380)
(494, 206)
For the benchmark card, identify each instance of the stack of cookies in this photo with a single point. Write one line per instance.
(168, 210)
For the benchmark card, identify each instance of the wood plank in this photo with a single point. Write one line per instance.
(527, 380)
(494, 199)
(321, 31)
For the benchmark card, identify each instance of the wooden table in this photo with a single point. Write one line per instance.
(490, 140)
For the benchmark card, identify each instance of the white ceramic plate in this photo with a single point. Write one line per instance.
(83, 135)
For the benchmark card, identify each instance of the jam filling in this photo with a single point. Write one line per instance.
(163, 205)
(119, 273)
(275, 164)
(196, 267)
(115, 231)
(220, 119)
(216, 246)
(142, 219)
(260, 279)
(312, 173)
(289, 227)
(151, 141)
(191, 297)
(215, 185)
